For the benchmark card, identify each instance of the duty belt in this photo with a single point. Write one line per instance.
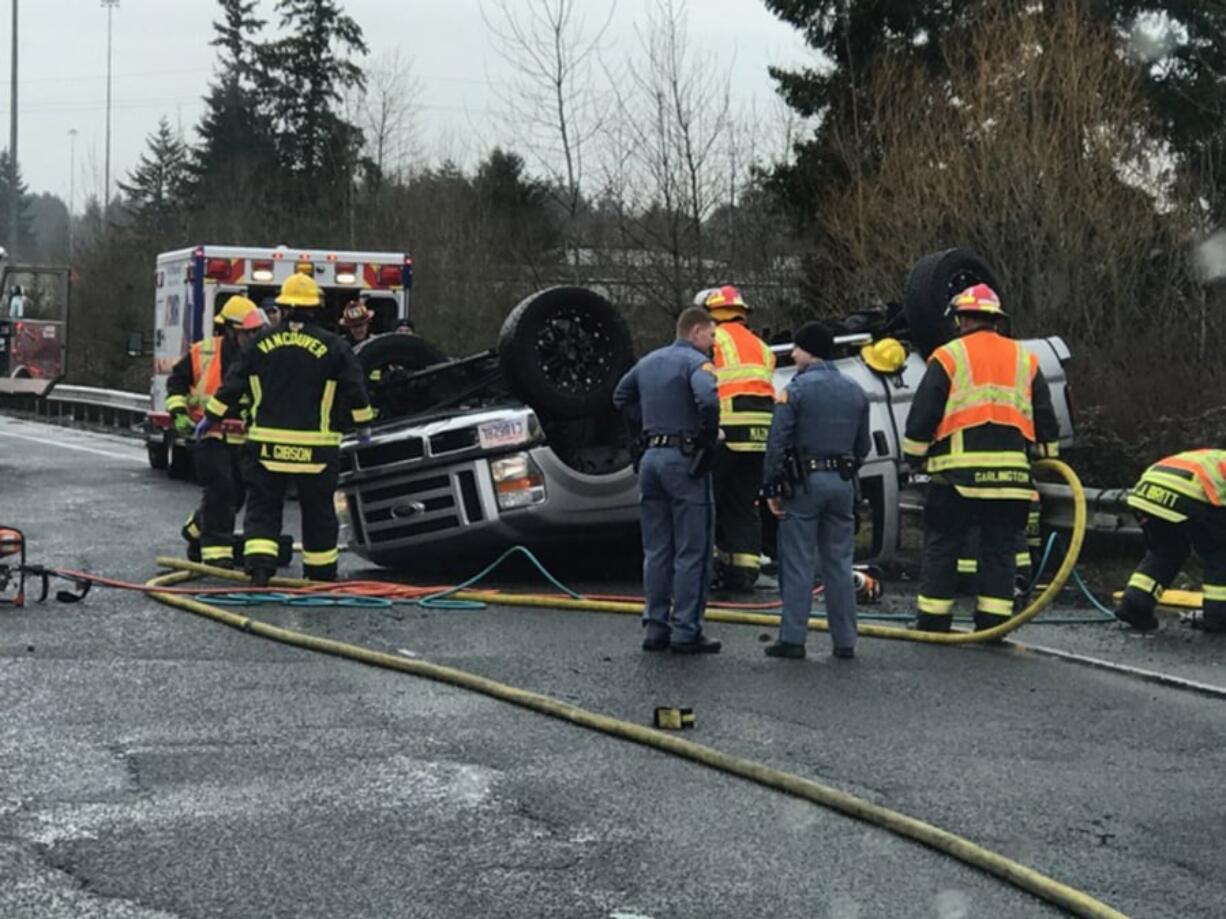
(825, 463)
(665, 440)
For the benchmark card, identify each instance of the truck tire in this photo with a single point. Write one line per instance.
(159, 455)
(563, 350)
(932, 283)
(181, 466)
(394, 356)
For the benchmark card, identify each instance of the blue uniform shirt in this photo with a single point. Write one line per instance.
(821, 413)
(671, 391)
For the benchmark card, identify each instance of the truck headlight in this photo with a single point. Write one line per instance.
(518, 481)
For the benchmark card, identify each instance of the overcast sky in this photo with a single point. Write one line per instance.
(163, 61)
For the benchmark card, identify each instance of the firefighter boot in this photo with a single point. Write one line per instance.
(1136, 617)
(191, 533)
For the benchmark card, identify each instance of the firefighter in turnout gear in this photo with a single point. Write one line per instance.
(1181, 501)
(980, 411)
(209, 531)
(744, 366)
(294, 373)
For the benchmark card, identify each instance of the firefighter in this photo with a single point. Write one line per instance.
(209, 531)
(744, 366)
(671, 395)
(822, 422)
(294, 372)
(355, 320)
(1181, 502)
(980, 410)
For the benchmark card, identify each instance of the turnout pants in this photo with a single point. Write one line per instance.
(818, 528)
(677, 522)
(1167, 546)
(1029, 552)
(947, 517)
(211, 526)
(738, 525)
(265, 503)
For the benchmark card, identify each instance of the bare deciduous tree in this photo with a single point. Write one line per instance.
(388, 113)
(552, 104)
(667, 166)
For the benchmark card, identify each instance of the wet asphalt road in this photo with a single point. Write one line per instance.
(156, 764)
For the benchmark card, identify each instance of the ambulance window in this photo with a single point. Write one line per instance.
(385, 314)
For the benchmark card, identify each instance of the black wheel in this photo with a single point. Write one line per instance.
(386, 360)
(563, 350)
(933, 282)
(181, 465)
(159, 455)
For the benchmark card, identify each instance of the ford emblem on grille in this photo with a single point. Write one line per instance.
(408, 509)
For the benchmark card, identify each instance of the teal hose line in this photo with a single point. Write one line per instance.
(1106, 613)
(440, 600)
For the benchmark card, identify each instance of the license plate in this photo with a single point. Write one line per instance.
(502, 433)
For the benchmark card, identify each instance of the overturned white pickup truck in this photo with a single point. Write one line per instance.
(520, 444)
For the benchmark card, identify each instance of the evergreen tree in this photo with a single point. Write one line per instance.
(1177, 46)
(25, 233)
(233, 171)
(306, 73)
(155, 187)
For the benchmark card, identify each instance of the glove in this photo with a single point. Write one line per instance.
(364, 435)
(184, 426)
(203, 427)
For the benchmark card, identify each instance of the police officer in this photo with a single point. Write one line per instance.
(820, 428)
(209, 530)
(1181, 502)
(671, 395)
(294, 372)
(980, 411)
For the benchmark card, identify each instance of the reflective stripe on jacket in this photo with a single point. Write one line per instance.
(980, 407)
(990, 382)
(195, 378)
(744, 368)
(1179, 486)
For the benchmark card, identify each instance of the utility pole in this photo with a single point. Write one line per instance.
(72, 185)
(106, 187)
(15, 202)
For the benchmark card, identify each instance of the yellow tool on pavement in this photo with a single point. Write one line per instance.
(674, 719)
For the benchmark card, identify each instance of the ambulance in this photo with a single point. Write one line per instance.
(192, 285)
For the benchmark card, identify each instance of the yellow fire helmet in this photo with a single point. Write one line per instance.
(299, 291)
(234, 312)
(888, 355)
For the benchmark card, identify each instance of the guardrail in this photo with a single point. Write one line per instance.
(68, 404)
(1106, 511)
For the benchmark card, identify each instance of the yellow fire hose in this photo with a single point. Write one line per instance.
(1027, 879)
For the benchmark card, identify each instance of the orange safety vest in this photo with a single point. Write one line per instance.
(744, 370)
(991, 381)
(206, 380)
(1173, 487)
(206, 375)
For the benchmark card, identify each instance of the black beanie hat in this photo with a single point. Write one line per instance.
(815, 338)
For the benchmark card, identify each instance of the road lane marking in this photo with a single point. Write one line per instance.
(60, 443)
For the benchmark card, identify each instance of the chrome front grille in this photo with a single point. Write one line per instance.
(411, 506)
